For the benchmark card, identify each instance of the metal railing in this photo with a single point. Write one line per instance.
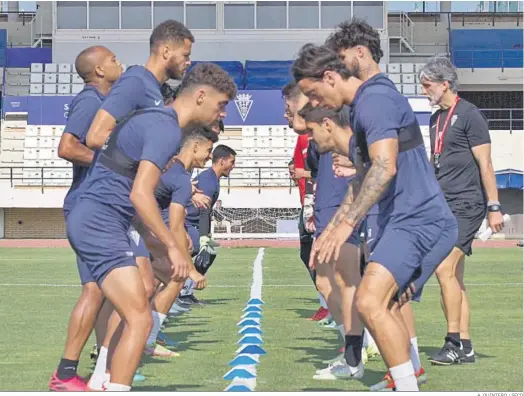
(504, 119)
(253, 177)
(492, 58)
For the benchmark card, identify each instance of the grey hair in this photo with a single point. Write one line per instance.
(440, 69)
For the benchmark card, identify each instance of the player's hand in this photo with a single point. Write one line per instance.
(406, 296)
(300, 173)
(313, 257)
(309, 225)
(344, 172)
(179, 264)
(199, 279)
(342, 161)
(328, 251)
(495, 221)
(200, 200)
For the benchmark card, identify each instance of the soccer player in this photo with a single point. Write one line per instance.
(99, 69)
(294, 100)
(174, 193)
(343, 276)
(358, 45)
(141, 87)
(415, 220)
(461, 154)
(198, 220)
(121, 186)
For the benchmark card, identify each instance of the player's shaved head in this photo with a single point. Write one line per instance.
(87, 61)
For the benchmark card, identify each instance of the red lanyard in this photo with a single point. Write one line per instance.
(439, 136)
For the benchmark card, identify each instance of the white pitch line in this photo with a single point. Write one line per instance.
(236, 286)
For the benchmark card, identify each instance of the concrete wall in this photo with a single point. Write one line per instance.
(2, 223)
(18, 33)
(132, 47)
(23, 223)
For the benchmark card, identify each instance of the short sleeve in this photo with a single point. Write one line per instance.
(476, 128)
(161, 143)
(207, 184)
(124, 97)
(80, 119)
(183, 191)
(379, 117)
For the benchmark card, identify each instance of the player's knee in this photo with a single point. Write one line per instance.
(149, 288)
(92, 293)
(368, 306)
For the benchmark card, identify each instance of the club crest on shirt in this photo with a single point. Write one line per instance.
(243, 103)
(454, 119)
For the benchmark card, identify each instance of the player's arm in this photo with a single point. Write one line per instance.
(70, 147)
(382, 137)
(177, 214)
(477, 131)
(124, 97)
(208, 188)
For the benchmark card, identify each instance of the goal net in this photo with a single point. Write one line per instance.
(250, 223)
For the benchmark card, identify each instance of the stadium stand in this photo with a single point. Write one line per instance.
(487, 48)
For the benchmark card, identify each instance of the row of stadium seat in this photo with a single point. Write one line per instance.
(52, 78)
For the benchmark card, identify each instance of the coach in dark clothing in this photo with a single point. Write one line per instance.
(461, 155)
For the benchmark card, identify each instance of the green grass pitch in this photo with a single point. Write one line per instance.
(39, 288)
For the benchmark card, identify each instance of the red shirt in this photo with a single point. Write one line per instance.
(299, 158)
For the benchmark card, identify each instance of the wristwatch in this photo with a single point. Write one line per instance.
(494, 206)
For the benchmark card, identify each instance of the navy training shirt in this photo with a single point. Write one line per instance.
(150, 136)
(331, 189)
(136, 89)
(174, 187)
(82, 111)
(208, 182)
(414, 196)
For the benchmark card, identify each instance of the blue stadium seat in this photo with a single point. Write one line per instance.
(264, 82)
(234, 68)
(487, 48)
(267, 74)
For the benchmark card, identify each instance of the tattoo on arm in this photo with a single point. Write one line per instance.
(375, 183)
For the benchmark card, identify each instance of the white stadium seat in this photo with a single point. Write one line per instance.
(35, 89)
(393, 68)
(395, 78)
(50, 78)
(409, 89)
(64, 89)
(76, 88)
(51, 68)
(64, 78)
(64, 68)
(407, 67)
(77, 79)
(37, 68)
(50, 88)
(408, 79)
(36, 78)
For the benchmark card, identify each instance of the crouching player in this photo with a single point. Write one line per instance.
(198, 220)
(174, 194)
(340, 280)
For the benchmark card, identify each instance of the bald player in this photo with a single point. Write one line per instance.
(99, 69)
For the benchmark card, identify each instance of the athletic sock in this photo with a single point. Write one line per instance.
(454, 338)
(466, 345)
(66, 369)
(158, 319)
(342, 331)
(404, 377)
(111, 387)
(323, 302)
(186, 290)
(368, 339)
(413, 351)
(99, 374)
(353, 350)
